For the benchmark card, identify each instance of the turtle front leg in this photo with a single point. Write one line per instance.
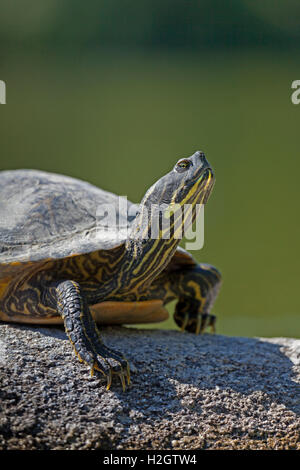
(84, 334)
(197, 288)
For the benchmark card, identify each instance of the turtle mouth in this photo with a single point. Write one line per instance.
(205, 183)
(205, 174)
(198, 189)
(202, 178)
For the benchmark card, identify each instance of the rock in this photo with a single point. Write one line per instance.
(188, 392)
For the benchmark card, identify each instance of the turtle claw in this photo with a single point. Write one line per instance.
(212, 323)
(197, 323)
(109, 379)
(199, 328)
(205, 320)
(122, 378)
(202, 320)
(185, 322)
(125, 373)
(213, 326)
(122, 374)
(128, 374)
(119, 370)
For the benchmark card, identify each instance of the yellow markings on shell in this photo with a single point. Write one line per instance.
(3, 286)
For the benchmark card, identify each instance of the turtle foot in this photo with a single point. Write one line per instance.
(85, 337)
(196, 323)
(110, 366)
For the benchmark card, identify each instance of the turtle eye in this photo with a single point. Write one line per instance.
(183, 165)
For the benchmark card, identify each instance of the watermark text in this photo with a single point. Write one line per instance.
(295, 96)
(2, 92)
(158, 221)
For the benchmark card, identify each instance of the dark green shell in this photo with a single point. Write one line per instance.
(45, 215)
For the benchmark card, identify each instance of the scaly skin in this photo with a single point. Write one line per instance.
(84, 335)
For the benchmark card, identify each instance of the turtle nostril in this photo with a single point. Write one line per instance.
(201, 155)
(202, 158)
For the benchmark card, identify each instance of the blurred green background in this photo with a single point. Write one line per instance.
(115, 91)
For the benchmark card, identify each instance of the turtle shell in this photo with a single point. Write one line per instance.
(48, 216)
(45, 215)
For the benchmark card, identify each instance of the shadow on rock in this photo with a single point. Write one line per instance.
(182, 385)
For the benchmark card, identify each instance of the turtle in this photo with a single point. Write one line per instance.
(61, 262)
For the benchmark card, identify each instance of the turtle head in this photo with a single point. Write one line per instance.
(189, 182)
(173, 200)
(168, 208)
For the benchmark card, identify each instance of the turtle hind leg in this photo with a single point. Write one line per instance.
(197, 288)
(83, 333)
